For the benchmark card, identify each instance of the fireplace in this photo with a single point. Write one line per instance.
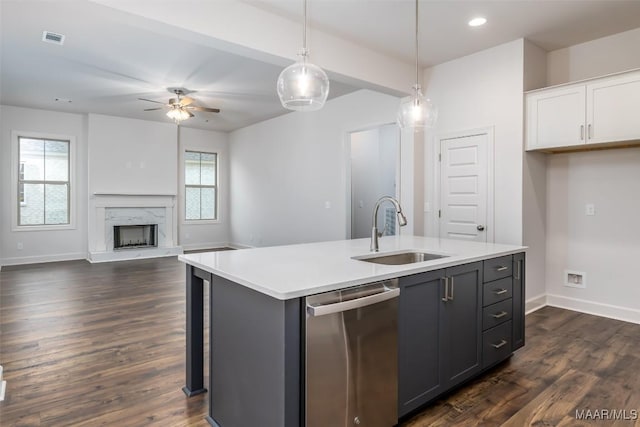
(135, 236)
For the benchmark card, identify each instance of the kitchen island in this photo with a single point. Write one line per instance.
(257, 318)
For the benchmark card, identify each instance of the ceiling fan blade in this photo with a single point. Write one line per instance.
(208, 110)
(190, 114)
(150, 100)
(186, 101)
(152, 109)
(173, 101)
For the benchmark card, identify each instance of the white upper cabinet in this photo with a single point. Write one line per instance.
(613, 109)
(599, 111)
(555, 117)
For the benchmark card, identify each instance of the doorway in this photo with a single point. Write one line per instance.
(374, 164)
(466, 186)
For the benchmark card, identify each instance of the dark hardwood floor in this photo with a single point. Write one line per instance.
(103, 344)
(95, 344)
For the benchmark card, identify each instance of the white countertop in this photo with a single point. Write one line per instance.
(294, 271)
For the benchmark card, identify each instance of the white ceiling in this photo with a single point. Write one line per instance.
(109, 58)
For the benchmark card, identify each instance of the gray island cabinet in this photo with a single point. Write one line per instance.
(457, 316)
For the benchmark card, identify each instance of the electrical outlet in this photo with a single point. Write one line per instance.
(575, 279)
(20, 246)
(590, 209)
(327, 205)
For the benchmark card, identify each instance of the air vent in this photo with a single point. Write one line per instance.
(50, 37)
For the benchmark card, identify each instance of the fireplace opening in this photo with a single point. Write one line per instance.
(135, 236)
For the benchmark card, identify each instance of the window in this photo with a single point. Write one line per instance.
(200, 178)
(43, 181)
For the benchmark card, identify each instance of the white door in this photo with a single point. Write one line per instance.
(464, 189)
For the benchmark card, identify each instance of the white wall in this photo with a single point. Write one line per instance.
(605, 246)
(130, 156)
(285, 170)
(374, 162)
(205, 234)
(534, 186)
(39, 246)
(479, 91)
(618, 52)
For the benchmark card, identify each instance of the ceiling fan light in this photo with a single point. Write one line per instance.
(303, 86)
(178, 114)
(416, 111)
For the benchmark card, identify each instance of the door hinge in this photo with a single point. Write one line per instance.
(439, 213)
(439, 157)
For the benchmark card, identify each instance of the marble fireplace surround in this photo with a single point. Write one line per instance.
(107, 210)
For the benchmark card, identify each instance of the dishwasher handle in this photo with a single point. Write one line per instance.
(321, 310)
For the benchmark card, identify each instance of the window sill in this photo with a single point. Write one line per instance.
(43, 227)
(201, 221)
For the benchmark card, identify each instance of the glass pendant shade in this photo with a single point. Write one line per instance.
(416, 111)
(303, 86)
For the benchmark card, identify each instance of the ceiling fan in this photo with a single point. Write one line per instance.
(180, 107)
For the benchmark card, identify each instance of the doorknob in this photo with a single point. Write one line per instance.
(480, 228)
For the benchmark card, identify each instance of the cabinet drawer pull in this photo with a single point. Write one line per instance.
(451, 292)
(581, 132)
(517, 275)
(499, 315)
(502, 343)
(590, 134)
(502, 268)
(446, 288)
(500, 291)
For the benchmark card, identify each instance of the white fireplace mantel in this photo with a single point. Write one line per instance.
(107, 210)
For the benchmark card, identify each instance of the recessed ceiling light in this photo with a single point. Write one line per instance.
(476, 22)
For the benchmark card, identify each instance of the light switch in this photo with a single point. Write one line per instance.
(327, 205)
(590, 209)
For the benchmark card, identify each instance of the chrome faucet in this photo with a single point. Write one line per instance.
(402, 220)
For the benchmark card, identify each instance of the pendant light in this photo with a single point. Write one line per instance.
(416, 111)
(303, 86)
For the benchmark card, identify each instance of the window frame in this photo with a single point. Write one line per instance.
(216, 187)
(15, 181)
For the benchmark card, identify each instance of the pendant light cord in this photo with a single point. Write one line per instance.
(417, 81)
(304, 27)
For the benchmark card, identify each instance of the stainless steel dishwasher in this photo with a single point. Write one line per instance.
(351, 357)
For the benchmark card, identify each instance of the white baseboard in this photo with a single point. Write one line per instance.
(598, 309)
(535, 303)
(37, 259)
(201, 246)
(131, 254)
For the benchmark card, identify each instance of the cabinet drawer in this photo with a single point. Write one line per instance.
(496, 314)
(497, 291)
(497, 268)
(496, 344)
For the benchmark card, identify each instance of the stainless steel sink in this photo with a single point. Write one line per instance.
(400, 258)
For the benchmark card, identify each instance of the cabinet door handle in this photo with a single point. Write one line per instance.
(589, 133)
(451, 292)
(502, 343)
(517, 274)
(581, 132)
(499, 315)
(502, 268)
(500, 291)
(446, 288)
